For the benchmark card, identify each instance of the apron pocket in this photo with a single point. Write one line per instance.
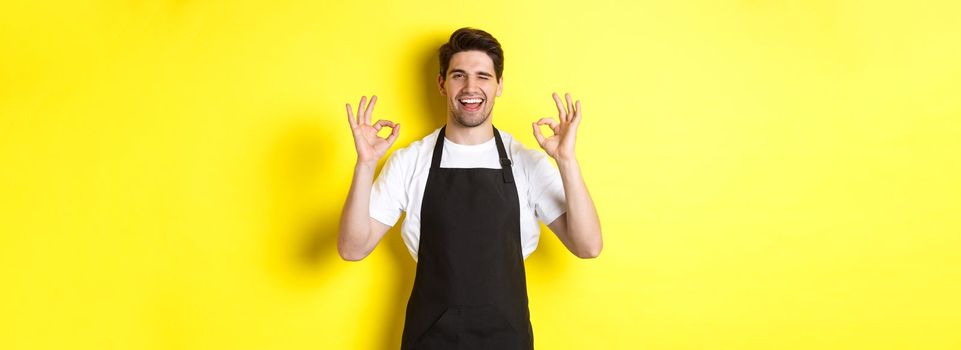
(487, 327)
(442, 334)
(471, 327)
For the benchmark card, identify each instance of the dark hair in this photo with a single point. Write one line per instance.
(467, 39)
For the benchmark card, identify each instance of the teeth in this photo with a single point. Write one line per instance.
(472, 100)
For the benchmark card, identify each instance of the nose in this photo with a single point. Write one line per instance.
(471, 84)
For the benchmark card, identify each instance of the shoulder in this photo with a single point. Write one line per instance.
(522, 155)
(415, 150)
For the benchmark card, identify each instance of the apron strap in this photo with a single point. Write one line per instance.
(438, 150)
(505, 162)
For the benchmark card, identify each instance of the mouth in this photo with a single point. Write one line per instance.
(471, 104)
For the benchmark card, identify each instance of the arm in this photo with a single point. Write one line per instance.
(579, 228)
(359, 233)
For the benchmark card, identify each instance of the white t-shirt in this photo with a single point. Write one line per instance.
(400, 185)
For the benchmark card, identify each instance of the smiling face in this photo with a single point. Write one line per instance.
(470, 87)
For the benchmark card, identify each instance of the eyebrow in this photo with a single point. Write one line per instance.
(465, 72)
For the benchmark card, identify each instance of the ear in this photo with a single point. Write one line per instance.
(500, 86)
(440, 85)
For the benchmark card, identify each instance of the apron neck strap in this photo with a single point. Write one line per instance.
(508, 174)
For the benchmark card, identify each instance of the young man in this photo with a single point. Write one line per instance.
(473, 195)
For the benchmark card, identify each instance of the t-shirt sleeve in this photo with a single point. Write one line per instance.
(388, 195)
(547, 188)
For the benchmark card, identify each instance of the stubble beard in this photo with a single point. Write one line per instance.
(472, 120)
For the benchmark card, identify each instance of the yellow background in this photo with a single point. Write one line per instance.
(769, 174)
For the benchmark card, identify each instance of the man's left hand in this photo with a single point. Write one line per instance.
(560, 146)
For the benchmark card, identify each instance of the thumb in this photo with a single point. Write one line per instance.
(537, 134)
(394, 132)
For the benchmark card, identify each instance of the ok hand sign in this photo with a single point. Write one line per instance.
(560, 146)
(370, 147)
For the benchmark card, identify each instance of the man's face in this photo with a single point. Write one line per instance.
(470, 87)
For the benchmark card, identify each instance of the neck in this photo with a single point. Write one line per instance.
(463, 135)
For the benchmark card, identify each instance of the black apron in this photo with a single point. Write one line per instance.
(470, 290)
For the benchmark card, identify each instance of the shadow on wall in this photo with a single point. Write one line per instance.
(431, 100)
(300, 241)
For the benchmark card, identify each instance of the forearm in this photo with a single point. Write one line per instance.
(355, 227)
(583, 224)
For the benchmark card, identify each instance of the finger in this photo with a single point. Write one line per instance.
(570, 106)
(537, 133)
(560, 107)
(395, 131)
(350, 117)
(547, 120)
(550, 122)
(370, 109)
(381, 123)
(577, 111)
(360, 111)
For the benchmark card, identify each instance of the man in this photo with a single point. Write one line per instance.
(471, 193)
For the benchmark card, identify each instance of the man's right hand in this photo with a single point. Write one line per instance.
(370, 147)
(359, 233)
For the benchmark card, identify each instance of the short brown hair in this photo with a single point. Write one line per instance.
(467, 39)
